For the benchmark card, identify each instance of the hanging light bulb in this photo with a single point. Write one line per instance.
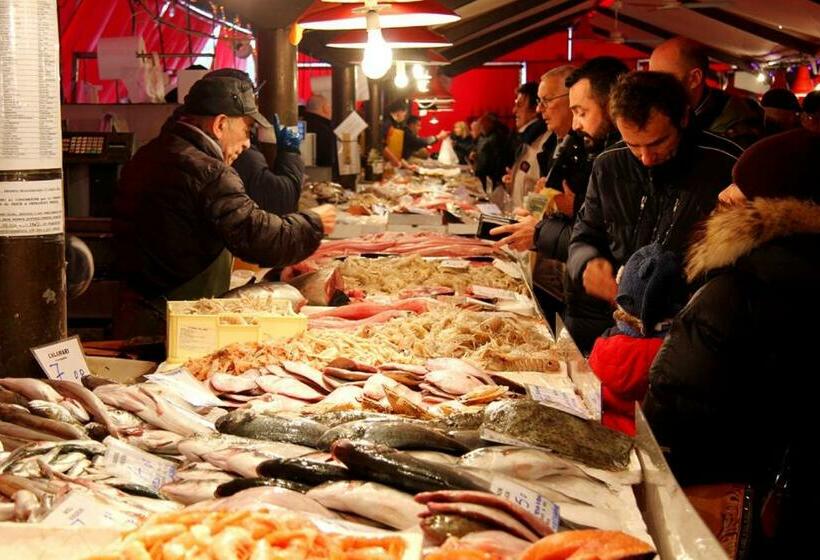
(378, 57)
(761, 77)
(423, 85)
(434, 120)
(401, 80)
(418, 71)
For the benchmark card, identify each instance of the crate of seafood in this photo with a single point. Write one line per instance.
(196, 328)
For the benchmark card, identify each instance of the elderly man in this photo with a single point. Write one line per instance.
(531, 132)
(652, 187)
(181, 210)
(317, 118)
(735, 118)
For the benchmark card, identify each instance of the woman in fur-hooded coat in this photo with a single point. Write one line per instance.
(734, 384)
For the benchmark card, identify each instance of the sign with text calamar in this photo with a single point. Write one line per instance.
(62, 360)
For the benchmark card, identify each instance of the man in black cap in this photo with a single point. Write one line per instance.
(181, 211)
(781, 111)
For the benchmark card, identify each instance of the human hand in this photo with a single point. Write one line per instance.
(521, 212)
(599, 280)
(565, 201)
(540, 185)
(732, 196)
(507, 178)
(442, 135)
(327, 213)
(521, 234)
(285, 139)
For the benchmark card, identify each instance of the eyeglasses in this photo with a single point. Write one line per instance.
(544, 101)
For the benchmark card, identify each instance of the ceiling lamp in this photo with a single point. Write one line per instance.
(378, 56)
(430, 58)
(403, 38)
(401, 80)
(404, 14)
(802, 81)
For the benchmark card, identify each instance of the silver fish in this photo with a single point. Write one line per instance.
(189, 492)
(370, 500)
(52, 411)
(89, 400)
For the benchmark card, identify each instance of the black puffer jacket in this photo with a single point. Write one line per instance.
(275, 190)
(736, 381)
(178, 206)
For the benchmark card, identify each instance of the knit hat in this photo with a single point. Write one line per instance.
(652, 287)
(780, 166)
(780, 98)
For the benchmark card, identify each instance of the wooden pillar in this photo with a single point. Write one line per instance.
(344, 92)
(277, 71)
(374, 116)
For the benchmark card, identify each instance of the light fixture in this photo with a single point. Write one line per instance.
(399, 14)
(404, 38)
(434, 120)
(378, 56)
(401, 80)
(422, 112)
(802, 81)
(423, 85)
(419, 72)
(761, 77)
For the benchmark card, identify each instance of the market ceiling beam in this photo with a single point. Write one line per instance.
(261, 14)
(481, 42)
(494, 50)
(482, 24)
(661, 33)
(761, 30)
(605, 35)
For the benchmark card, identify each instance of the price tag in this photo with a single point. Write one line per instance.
(508, 268)
(63, 360)
(135, 465)
(492, 293)
(527, 499)
(562, 399)
(83, 509)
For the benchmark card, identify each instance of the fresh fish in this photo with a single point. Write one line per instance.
(345, 374)
(96, 431)
(453, 382)
(471, 439)
(273, 290)
(123, 419)
(455, 364)
(91, 382)
(12, 397)
(89, 401)
(489, 500)
(52, 411)
(370, 500)
(7, 512)
(346, 363)
(25, 504)
(10, 413)
(439, 527)
(345, 397)
(301, 431)
(520, 462)
(418, 371)
(395, 434)
(227, 383)
(590, 544)
(307, 374)
(239, 484)
(489, 515)
(322, 287)
(498, 543)
(254, 498)
(272, 404)
(335, 418)
(300, 469)
(400, 470)
(193, 448)
(137, 490)
(189, 492)
(162, 442)
(537, 425)
(19, 432)
(288, 387)
(154, 409)
(245, 461)
(460, 420)
(435, 457)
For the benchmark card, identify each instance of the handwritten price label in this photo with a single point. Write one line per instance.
(137, 466)
(82, 509)
(527, 499)
(63, 360)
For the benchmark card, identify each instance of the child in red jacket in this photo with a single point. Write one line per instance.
(651, 290)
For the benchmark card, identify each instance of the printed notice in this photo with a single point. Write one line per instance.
(63, 360)
(31, 208)
(30, 136)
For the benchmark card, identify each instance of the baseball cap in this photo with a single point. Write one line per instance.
(224, 95)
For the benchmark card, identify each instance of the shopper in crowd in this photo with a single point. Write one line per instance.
(489, 159)
(553, 105)
(462, 141)
(393, 128)
(810, 117)
(781, 111)
(736, 118)
(414, 143)
(731, 392)
(525, 144)
(475, 134)
(317, 117)
(651, 187)
(651, 291)
(181, 211)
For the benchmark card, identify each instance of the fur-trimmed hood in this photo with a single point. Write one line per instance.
(731, 233)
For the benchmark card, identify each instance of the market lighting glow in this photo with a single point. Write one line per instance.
(761, 77)
(418, 72)
(423, 85)
(378, 57)
(423, 13)
(401, 80)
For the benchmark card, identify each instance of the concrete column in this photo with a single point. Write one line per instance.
(277, 71)
(344, 92)
(374, 116)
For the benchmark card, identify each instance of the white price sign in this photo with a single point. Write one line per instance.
(82, 509)
(563, 399)
(527, 499)
(137, 466)
(63, 360)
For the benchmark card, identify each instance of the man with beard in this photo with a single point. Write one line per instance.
(651, 187)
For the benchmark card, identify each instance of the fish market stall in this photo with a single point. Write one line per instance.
(434, 410)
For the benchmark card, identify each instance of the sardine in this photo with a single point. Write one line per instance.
(52, 411)
(301, 431)
(395, 434)
(400, 470)
(370, 500)
(239, 484)
(299, 469)
(63, 430)
(89, 400)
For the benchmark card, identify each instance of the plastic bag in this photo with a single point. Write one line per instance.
(446, 153)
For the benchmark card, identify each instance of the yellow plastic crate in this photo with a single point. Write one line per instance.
(194, 335)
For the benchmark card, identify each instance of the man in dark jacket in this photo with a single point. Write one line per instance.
(732, 391)
(181, 210)
(526, 142)
(415, 143)
(652, 187)
(714, 110)
(317, 119)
